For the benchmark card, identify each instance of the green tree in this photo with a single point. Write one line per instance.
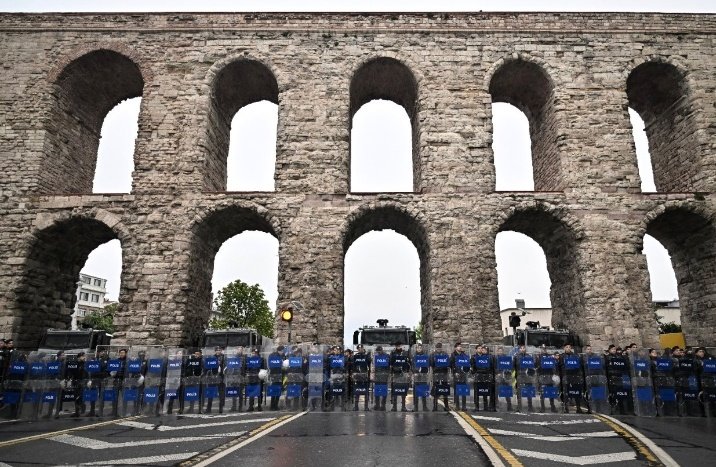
(240, 305)
(101, 319)
(419, 332)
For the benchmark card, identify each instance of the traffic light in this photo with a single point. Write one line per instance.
(287, 315)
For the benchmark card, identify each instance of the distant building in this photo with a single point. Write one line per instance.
(668, 312)
(90, 294)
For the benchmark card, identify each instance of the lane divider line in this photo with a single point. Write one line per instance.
(646, 447)
(26, 439)
(492, 448)
(225, 449)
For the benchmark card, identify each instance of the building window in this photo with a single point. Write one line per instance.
(98, 282)
(84, 296)
(95, 298)
(86, 280)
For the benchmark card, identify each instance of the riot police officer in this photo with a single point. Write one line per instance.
(618, 372)
(460, 366)
(421, 370)
(74, 375)
(215, 374)
(483, 367)
(361, 374)
(572, 372)
(400, 369)
(252, 378)
(440, 363)
(192, 370)
(687, 382)
(524, 364)
(547, 369)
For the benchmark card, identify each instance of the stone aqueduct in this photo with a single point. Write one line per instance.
(574, 76)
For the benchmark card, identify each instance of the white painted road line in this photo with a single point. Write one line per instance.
(666, 459)
(154, 427)
(578, 460)
(144, 460)
(567, 437)
(88, 443)
(220, 415)
(560, 422)
(486, 448)
(483, 417)
(258, 435)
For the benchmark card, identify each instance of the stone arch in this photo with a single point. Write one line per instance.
(58, 248)
(405, 221)
(84, 90)
(388, 78)
(657, 89)
(688, 233)
(233, 83)
(209, 230)
(525, 83)
(559, 234)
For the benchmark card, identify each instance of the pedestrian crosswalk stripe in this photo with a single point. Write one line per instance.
(155, 427)
(555, 438)
(89, 443)
(578, 460)
(143, 460)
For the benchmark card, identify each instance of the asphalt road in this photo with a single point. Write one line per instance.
(361, 439)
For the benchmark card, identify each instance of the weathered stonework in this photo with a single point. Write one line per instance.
(574, 75)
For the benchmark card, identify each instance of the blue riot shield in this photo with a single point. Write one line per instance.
(173, 388)
(687, 386)
(234, 378)
(381, 368)
(440, 366)
(595, 377)
(212, 379)
(642, 384)
(337, 388)
(274, 378)
(483, 369)
(708, 386)
(573, 382)
(14, 383)
(421, 378)
(548, 381)
(665, 386)
(154, 380)
(504, 378)
(461, 374)
(526, 376)
(316, 376)
(255, 367)
(296, 378)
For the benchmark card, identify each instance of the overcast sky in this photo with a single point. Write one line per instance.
(382, 277)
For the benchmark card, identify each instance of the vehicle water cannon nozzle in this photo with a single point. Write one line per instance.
(382, 323)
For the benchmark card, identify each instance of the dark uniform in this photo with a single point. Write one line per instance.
(524, 364)
(400, 369)
(254, 364)
(483, 367)
(75, 375)
(687, 384)
(618, 375)
(421, 372)
(192, 376)
(440, 363)
(460, 366)
(572, 371)
(361, 374)
(213, 372)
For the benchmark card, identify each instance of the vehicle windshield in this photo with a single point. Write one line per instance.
(228, 340)
(66, 341)
(558, 340)
(384, 337)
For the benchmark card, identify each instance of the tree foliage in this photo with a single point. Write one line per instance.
(419, 332)
(101, 319)
(240, 305)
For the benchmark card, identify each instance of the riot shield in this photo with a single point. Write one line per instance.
(296, 378)
(421, 378)
(191, 382)
(233, 377)
(72, 384)
(461, 369)
(483, 369)
(573, 382)
(133, 383)
(154, 380)
(274, 357)
(381, 377)
(642, 386)
(33, 387)
(687, 387)
(111, 388)
(255, 368)
(338, 380)
(400, 378)
(504, 378)
(619, 381)
(665, 386)
(440, 366)
(212, 379)
(15, 377)
(548, 381)
(708, 386)
(51, 393)
(173, 389)
(316, 376)
(92, 384)
(526, 379)
(595, 377)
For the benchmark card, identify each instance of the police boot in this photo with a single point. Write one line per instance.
(464, 404)
(365, 405)
(541, 403)
(552, 407)
(435, 405)
(529, 406)
(402, 407)
(425, 404)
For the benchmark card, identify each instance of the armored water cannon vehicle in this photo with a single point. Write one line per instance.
(387, 336)
(73, 341)
(237, 337)
(535, 335)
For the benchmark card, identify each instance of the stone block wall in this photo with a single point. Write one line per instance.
(576, 76)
